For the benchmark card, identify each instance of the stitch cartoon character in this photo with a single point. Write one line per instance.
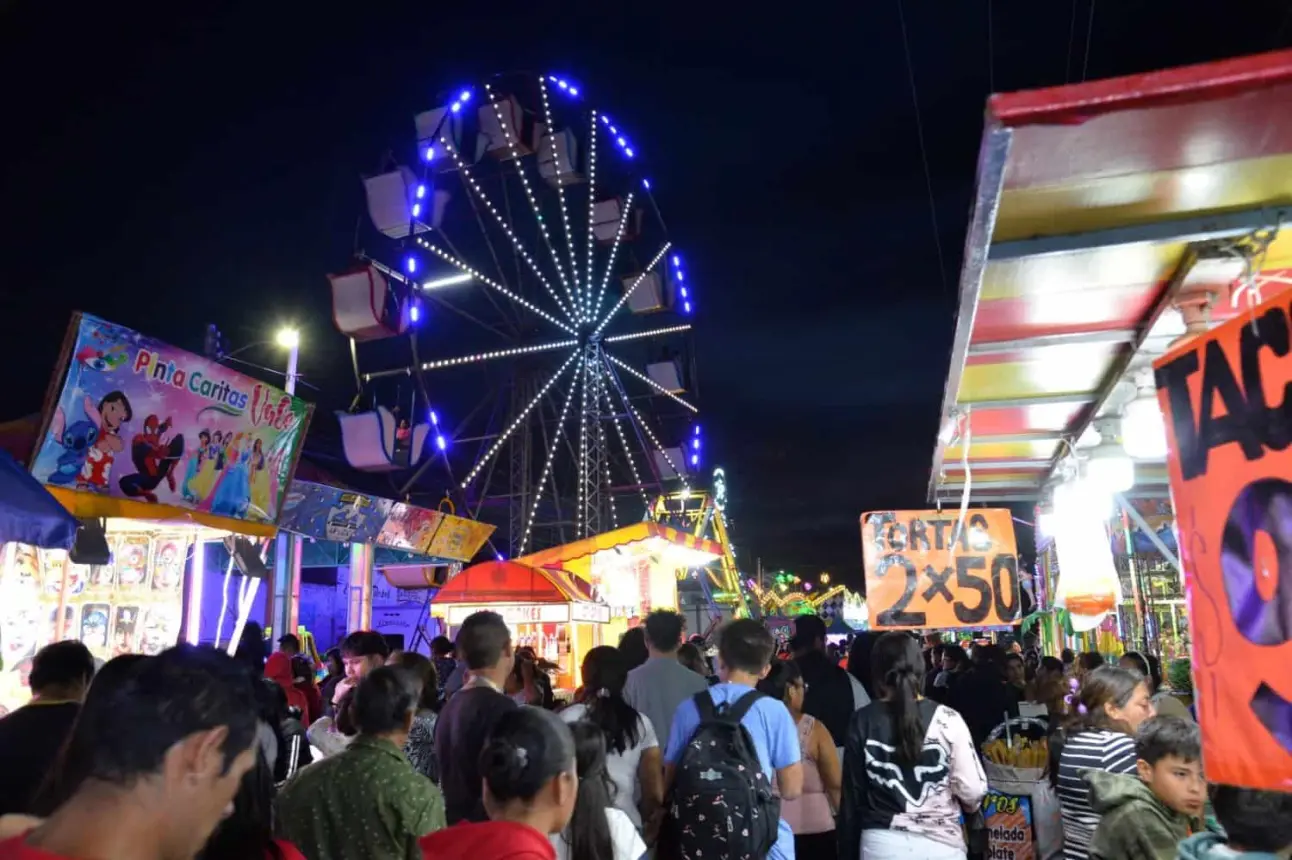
(76, 440)
(112, 412)
(155, 458)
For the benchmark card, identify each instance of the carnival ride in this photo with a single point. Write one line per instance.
(530, 223)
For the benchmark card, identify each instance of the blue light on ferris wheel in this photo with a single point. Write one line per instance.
(697, 429)
(421, 191)
(695, 444)
(417, 209)
(414, 313)
(429, 154)
(687, 307)
(435, 419)
(411, 265)
(684, 292)
(677, 261)
(464, 96)
(646, 184)
(439, 442)
(695, 459)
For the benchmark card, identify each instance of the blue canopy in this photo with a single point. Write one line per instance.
(28, 513)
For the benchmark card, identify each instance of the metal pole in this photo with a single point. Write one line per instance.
(282, 600)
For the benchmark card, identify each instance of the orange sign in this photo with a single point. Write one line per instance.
(1227, 400)
(921, 573)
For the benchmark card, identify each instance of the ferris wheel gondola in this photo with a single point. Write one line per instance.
(529, 241)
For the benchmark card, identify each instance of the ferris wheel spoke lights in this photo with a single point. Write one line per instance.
(520, 249)
(592, 212)
(529, 407)
(614, 251)
(659, 255)
(555, 149)
(551, 456)
(623, 440)
(510, 139)
(650, 434)
(652, 383)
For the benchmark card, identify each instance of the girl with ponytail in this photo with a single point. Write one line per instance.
(909, 766)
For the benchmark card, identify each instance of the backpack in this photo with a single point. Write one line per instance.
(722, 806)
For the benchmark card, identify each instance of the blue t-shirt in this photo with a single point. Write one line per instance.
(770, 726)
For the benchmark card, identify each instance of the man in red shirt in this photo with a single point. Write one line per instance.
(162, 755)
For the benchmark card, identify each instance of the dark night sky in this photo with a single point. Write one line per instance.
(167, 168)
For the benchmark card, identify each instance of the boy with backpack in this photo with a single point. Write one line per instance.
(727, 748)
(1145, 815)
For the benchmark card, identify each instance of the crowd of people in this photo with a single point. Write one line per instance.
(662, 753)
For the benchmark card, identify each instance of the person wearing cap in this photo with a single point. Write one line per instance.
(831, 695)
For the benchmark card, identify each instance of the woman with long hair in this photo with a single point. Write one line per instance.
(633, 756)
(633, 646)
(910, 766)
(531, 782)
(859, 659)
(248, 831)
(597, 830)
(420, 746)
(811, 814)
(1110, 706)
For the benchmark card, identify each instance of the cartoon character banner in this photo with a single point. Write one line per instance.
(328, 513)
(1226, 396)
(138, 419)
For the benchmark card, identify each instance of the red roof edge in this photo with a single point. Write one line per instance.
(1073, 104)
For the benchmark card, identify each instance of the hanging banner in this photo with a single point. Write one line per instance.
(919, 574)
(329, 513)
(141, 422)
(459, 538)
(1227, 399)
(409, 527)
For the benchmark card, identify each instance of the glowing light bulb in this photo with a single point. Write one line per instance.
(646, 184)
(695, 459)
(684, 292)
(456, 107)
(697, 429)
(417, 209)
(677, 261)
(696, 445)
(687, 307)
(429, 154)
(411, 264)
(464, 96)
(414, 313)
(574, 91)
(435, 419)
(439, 442)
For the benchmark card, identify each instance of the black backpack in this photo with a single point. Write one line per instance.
(721, 806)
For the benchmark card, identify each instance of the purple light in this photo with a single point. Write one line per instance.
(501, 557)
(628, 151)
(563, 85)
(574, 91)
(697, 429)
(614, 130)
(429, 154)
(439, 442)
(807, 586)
(414, 313)
(435, 419)
(677, 261)
(464, 96)
(687, 307)
(681, 276)
(646, 184)
(411, 265)
(696, 444)
(456, 107)
(695, 459)
(684, 293)
(621, 141)
(421, 191)
(417, 209)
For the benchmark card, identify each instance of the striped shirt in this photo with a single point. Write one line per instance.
(1113, 752)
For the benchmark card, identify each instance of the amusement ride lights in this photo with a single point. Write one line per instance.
(576, 305)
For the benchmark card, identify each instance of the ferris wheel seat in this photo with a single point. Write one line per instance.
(558, 155)
(605, 221)
(434, 125)
(667, 375)
(649, 296)
(394, 206)
(366, 307)
(368, 440)
(677, 456)
(504, 129)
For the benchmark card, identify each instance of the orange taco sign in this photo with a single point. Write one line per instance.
(924, 572)
(1227, 401)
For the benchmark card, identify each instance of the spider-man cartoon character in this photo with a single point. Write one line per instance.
(154, 457)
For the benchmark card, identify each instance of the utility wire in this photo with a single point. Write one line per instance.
(1090, 29)
(1072, 38)
(924, 157)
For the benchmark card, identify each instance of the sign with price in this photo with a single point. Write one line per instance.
(922, 573)
(1227, 400)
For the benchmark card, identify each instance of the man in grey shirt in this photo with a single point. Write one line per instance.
(659, 685)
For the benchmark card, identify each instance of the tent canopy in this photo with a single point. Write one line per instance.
(512, 582)
(1098, 206)
(28, 513)
(646, 538)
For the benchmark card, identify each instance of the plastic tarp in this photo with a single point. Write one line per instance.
(28, 513)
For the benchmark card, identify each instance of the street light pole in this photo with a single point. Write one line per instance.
(282, 611)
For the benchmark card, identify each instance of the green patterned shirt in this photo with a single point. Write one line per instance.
(365, 803)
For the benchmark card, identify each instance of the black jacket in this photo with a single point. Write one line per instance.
(829, 693)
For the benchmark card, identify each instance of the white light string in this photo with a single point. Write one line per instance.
(497, 216)
(482, 278)
(547, 466)
(592, 206)
(529, 407)
(654, 440)
(628, 292)
(583, 448)
(652, 383)
(560, 193)
(614, 252)
(496, 354)
(601, 441)
(655, 332)
(529, 194)
(623, 440)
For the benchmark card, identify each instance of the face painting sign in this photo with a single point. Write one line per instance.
(139, 420)
(922, 573)
(1227, 400)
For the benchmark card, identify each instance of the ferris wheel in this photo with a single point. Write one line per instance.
(533, 313)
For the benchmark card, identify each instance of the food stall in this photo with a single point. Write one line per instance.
(169, 452)
(547, 609)
(1114, 221)
(633, 569)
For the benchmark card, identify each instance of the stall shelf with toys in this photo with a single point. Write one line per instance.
(633, 569)
(547, 609)
(158, 453)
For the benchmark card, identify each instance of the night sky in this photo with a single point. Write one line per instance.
(165, 169)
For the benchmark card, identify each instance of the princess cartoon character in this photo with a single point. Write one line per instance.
(260, 480)
(112, 412)
(195, 462)
(233, 494)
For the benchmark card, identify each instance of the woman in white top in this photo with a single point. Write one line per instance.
(633, 757)
(597, 830)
